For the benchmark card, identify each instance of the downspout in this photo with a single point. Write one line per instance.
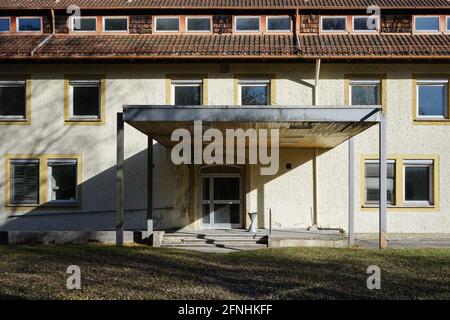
(43, 42)
(314, 213)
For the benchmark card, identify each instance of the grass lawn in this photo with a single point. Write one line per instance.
(138, 272)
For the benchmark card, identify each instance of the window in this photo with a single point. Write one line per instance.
(432, 98)
(115, 24)
(365, 23)
(5, 24)
(12, 100)
(187, 92)
(85, 99)
(365, 92)
(418, 182)
(167, 24)
(333, 24)
(278, 24)
(24, 182)
(246, 24)
(254, 92)
(32, 24)
(426, 23)
(84, 24)
(62, 180)
(198, 24)
(447, 24)
(372, 182)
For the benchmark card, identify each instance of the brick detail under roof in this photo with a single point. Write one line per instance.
(140, 24)
(222, 24)
(396, 23)
(309, 23)
(61, 24)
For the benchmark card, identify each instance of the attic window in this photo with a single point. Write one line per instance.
(198, 24)
(29, 24)
(167, 24)
(115, 24)
(84, 24)
(5, 24)
(426, 23)
(246, 24)
(333, 24)
(365, 23)
(278, 24)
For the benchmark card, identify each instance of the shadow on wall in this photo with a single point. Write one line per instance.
(97, 212)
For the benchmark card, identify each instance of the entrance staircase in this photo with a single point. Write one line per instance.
(217, 241)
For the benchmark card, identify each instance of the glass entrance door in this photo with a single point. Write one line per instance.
(221, 202)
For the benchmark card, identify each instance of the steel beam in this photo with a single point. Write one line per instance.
(252, 114)
(383, 182)
(351, 192)
(120, 179)
(150, 184)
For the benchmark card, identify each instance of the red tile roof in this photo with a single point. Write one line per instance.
(226, 46)
(219, 4)
(384, 45)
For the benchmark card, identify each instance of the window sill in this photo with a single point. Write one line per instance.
(45, 206)
(402, 208)
(431, 121)
(94, 122)
(15, 121)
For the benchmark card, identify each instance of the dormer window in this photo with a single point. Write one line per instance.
(447, 28)
(333, 23)
(115, 24)
(84, 24)
(167, 24)
(5, 24)
(29, 24)
(278, 24)
(247, 24)
(365, 23)
(198, 24)
(426, 24)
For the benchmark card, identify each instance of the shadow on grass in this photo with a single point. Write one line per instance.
(291, 273)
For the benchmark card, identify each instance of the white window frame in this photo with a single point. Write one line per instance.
(116, 17)
(166, 31)
(255, 83)
(86, 83)
(333, 31)
(447, 24)
(278, 31)
(366, 31)
(199, 17)
(419, 163)
(430, 82)
(372, 161)
(72, 24)
(185, 83)
(23, 84)
(49, 173)
(9, 20)
(427, 31)
(17, 24)
(363, 82)
(246, 17)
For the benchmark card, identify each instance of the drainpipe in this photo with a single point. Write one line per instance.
(43, 42)
(314, 220)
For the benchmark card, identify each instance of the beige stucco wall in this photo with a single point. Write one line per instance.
(289, 194)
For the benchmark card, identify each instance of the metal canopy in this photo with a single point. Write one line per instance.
(299, 127)
(164, 113)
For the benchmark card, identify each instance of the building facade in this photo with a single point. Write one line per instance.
(65, 75)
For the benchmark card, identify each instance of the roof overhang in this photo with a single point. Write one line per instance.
(299, 126)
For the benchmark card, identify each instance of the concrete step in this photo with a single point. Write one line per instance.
(193, 240)
(215, 236)
(215, 245)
